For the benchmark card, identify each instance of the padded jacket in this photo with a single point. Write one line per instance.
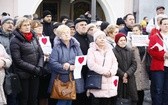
(26, 55)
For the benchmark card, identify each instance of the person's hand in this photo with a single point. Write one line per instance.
(125, 80)
(125, 75)
(66, 66)
(107, 74)
(2, 63)
(37, 71)
(72, 67)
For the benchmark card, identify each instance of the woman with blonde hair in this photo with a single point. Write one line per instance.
(62, 58)
(28, 60)
(111, 31)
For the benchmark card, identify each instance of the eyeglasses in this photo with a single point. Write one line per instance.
(9, 23)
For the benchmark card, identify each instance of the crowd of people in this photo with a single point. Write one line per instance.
(109, 53)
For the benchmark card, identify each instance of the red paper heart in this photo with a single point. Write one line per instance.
(115, 82)
(44, 40)
(80, 59)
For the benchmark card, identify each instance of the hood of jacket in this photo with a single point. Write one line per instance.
(73, 42)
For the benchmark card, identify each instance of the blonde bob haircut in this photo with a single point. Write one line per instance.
(111, 28)
(62, 29)
(20, 21)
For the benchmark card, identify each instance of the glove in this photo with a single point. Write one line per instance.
(37, 71)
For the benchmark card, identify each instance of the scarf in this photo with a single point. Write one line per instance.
(28, 36)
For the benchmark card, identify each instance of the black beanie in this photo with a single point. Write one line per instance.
(104, 25)
(120, 21)
(46, 12)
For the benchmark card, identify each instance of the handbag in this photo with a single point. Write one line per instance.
(93, 80)
(61, 90)
(123, 100)
(12, 83)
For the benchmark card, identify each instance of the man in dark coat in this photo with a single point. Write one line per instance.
(84, 40)
(48, 25)
(129, 21)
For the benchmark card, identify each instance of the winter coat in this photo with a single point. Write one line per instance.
(103, 63)
(141, 75)
(8, 61)
(84, 41)
(126, 64)
(157, 62)
(26, 55)
(60, 55)
(5, 40)
(48, 30)
(125, 30)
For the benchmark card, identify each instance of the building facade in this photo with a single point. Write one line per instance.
(108, 10)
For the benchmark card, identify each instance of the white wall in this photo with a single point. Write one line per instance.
(148, 8)
(8, 6)
(19, 7)
(27, 7)
(114, 9)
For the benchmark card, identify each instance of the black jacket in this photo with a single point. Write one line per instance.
(26, 56)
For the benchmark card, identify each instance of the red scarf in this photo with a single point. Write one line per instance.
(28, 36)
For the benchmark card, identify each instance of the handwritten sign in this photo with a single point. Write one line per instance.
(139, 40)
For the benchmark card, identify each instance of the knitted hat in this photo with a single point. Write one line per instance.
(118, 36)
(120, 21)
(104, 25)
(97, 34)
(5, 18)
(46, 12)
(80, 20)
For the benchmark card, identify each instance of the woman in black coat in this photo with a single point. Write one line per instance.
(28, 60)
(126, 68)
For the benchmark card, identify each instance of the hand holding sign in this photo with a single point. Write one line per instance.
(79, 62)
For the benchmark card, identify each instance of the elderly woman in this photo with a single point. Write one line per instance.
(62, 58)
(102, 60)
(28, 60)
(126, 69)
(5, 62)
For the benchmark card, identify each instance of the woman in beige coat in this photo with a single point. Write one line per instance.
(5, 62)
(141, 76)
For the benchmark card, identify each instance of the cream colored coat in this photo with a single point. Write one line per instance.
(95, 62)
(141, 76)
(5, 57)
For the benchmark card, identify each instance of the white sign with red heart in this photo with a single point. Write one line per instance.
(115, 80)
(79, 62)
(45, 44)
